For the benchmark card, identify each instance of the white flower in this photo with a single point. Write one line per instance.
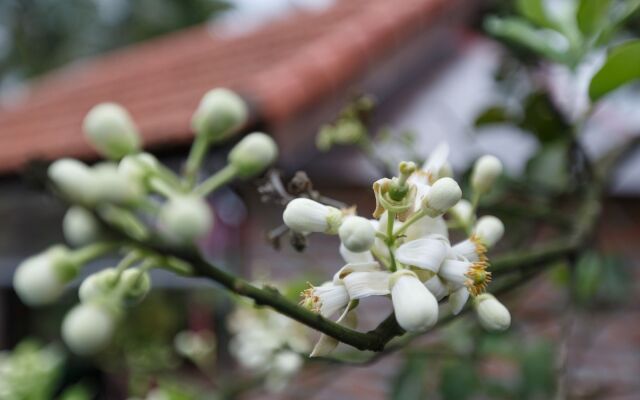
(306, 216)
(326, 344)
(426, 253)
(485, 172)
(114, 187)
(253, 154)
(354, 257)
(185, 218)
(457, 299)
(357, 234)
(443, 195)
(437, 286)
(492, 314)
(75, 180)
(471, 249)
(284, 365)
(220, 114)
(88, 328)
(415, 307)
(41, 279)
(111, 131)
(80, 227)
(463, 273)
(327, 299)
(136, 167)
(489, 230)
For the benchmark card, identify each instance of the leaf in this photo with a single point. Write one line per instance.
(520, 32)
(459, 381)
(76, 392)
(408, 383)
(542, 118)
(591, 15)
(536, 368)
(548, 168)
(625, 11)
(493, 115)
(621, 67)
(587, 276)
(534, 11)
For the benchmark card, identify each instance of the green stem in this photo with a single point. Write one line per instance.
(126, 262)
(412, 219)
(161, 187)
(391, 217)
(220, 178)
(91, 252)
(198, 151)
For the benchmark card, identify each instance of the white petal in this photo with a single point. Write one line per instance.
(436, 160)
(326, 344)
(355, 267)
(458, 299)
(332, 298)
(437, 287)
(464, 250)
(427, 253)
(426, 226)
(453, 271)
(364, 284)
(416, 309)
(353, 257)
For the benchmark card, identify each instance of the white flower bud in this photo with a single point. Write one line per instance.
(88, 328)
(415, 307)
(80, 227)
(98, 285)
(135, 285)
(489, 230)
(136, 167)
(75, 180)
(41, 279)
(357, 234)
(113, 187)
(220, 114)
(111, 130)
(462, 211)
(443, 195)
(485, 172)
(186, 218)
(306, 216)
(492, 314)
(253, 154)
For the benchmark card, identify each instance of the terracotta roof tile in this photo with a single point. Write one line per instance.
(282, 68)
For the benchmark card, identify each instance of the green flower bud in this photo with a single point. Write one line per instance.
(98, 286)
(88, 328)
(111, 130)
(75, 180)
(185, 218)
(485, 172)
(253, 154)
(221, 113)
(135, 285)
(136, 167)
(114, 187)
(80, 227)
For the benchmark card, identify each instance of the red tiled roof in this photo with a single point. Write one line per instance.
(280, 68)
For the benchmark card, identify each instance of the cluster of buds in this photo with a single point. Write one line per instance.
(136, 194)
(405, 252)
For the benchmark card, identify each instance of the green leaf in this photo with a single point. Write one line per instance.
(542, 118)
(587, 276)
(536, 368)
(408, 384)
(548, 168)
(625, 11)
(459, 381)
(76, 392)
(621, 67)
(520, 32)
(493, 115)
(534, 11)
(592, 14)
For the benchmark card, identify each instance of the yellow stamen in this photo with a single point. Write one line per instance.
(479, 278)
(310, 300)
(481, 249)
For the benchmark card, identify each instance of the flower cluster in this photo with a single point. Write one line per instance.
(133, 192)
(405, 253)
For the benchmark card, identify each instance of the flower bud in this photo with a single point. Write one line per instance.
(415, 307)
(80, 227)
(135, 285)
(357, 234)
(485, 172)
(253, 154)
(492, 314)
(136, 167)
(489, 230)
(41, 279)
(88, 328)
(111, 130)
(75, 180)
(306, 216)
(114, 187)
(186, 218)
(463, 211)
(98, 285)
(220, 114)
(443, 195)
